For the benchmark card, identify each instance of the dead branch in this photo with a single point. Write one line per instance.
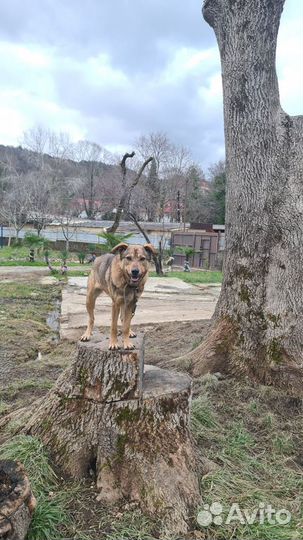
(126, 195)
(123, 165)
(156, 258)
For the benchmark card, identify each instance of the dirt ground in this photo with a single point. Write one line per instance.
(163, 300)
(32, 356)
(252, 436)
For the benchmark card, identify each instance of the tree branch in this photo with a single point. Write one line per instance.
(137, 178)
(156, 258)
(123, 165)
(124, 200)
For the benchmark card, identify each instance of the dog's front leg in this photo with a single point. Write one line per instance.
(127, 344)
(113, 344)
(131, 333)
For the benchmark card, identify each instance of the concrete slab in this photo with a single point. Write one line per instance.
(170, 301)
(154, 284)
(23, 270)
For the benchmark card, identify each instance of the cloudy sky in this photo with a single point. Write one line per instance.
(111, 70)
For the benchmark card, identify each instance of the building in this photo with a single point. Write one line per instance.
(205, 239)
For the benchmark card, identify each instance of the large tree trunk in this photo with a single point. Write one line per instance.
(258, 324)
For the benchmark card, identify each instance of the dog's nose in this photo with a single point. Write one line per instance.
(135, 272)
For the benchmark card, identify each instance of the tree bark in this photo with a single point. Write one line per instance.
(258, 324)
(16, 501)
(130, 428)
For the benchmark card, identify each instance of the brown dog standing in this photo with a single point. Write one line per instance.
(121, 274)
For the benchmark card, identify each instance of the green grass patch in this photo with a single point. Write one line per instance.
(248, 435)
(28, 291)
(56, 264)
(54, 516)
(50, 512)
(24, 309)
(206, 276)
(78, 273)
(19, 256)
(13, 389)
(14, 252)
(133, 526)
(4, 407)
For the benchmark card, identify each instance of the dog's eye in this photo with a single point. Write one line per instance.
(142, 258)
(128, 258)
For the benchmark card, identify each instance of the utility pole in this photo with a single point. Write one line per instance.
(185, 204)
(178, 207)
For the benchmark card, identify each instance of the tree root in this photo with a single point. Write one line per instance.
(211, 356)
(220, 352)
(13, 423)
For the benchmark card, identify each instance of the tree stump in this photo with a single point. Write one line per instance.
(129, 425)
(16, 501)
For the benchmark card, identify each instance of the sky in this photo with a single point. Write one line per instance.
(111, 70)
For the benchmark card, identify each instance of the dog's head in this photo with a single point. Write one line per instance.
(134, 260)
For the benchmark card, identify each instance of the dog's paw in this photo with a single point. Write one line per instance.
(128, 346)
(113, 347)
(132, 335)
(85, 337)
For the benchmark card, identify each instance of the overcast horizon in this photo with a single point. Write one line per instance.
(111, 71)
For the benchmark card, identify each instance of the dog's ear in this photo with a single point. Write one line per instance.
(151, 250)
(119, 248)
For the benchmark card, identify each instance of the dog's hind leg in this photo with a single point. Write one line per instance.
(92, 294)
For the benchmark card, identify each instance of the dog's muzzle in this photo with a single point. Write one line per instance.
(135, 277)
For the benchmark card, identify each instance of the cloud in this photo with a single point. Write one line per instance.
(110, 71)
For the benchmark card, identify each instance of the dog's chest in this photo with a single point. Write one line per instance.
(127, 295)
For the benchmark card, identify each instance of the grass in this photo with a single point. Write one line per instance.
(254, 459)
(51, 502)
(19, 256)
(199, 276)
(4, 407)
(133, 526)
(12, 390)
(57, 504)
(24, 308)
(71, 273)
(41, 264)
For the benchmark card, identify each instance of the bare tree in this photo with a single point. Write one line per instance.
(15, 206)
(68, 227)
(36, 139)
(257, 329)
(171, 162)
(155, 144)
(89, 154)
(42, 140)
(180, 159)
(60, 146)
(40, 199)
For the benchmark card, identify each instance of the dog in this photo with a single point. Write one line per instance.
(122, 275)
